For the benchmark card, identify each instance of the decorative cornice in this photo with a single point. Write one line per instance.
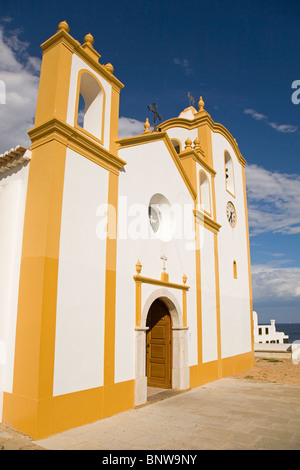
(202, 118)
(55, 129)
(159, 282)
(206, 221)
(85, 51)
(197, 157)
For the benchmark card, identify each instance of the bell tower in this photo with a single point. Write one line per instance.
(75, 89)
(73, 140)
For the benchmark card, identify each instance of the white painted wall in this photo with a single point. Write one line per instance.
(81, 279)
(232, 245)
(77, 65)
(149, 170)
(13, 189)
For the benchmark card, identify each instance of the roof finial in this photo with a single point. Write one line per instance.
(146, 126)
(63, 25)
(188, 144)
(138, 267)
(201, 104)
(88, 39)
(109, 67)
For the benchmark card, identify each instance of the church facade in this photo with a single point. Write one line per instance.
(125, 263)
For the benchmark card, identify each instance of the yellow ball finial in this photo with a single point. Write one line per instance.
(138, 267)
(63, 26)
(88, 39)
(109, 67)
(188, 144)
(201, 104)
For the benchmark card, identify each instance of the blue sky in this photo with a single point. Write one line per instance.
(242, 57)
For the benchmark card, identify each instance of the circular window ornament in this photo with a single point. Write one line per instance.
(231, 214)
(161, 217)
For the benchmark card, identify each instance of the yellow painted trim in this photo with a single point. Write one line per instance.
(234, 269)
(184, 308)
(43, 418)
(248, 257)
(75, 140)
(114, 120)
(54, 83)
(159, 282)
(217, 281)
(209, 371)
(38, 273)
(118, 397)
(197, 157)
(200, 119)
(163, 282)
(156, 136)
(36, 320)
(198, 291)
(138, 303)
(207, 212)
(66, 39)
(110, 281)
(100, 139)
(217, 287)
(207, 222)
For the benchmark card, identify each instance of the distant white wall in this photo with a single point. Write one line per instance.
(267, 333)
(13, 189)
(81, 279)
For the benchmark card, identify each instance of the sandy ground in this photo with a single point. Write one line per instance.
(265, 370)
(273, 370)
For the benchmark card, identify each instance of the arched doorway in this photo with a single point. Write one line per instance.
(159, 346)
(180, 378)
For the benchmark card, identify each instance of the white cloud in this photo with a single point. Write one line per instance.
(273, 282)
(129, 127)
(255, 114)
(284, 128)
(273, 201)
(184, 64)
(20, 74)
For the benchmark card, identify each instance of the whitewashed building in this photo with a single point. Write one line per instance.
(267, 333)
(124, 263)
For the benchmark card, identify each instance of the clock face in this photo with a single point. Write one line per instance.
(154, 217)
(231, 214)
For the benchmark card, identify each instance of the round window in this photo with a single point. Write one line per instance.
(161, 217)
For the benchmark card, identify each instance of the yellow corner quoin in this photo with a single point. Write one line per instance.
(31, 406)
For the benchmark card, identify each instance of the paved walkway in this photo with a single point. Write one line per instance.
(225, 414)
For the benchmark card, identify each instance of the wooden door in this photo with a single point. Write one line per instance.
(159, 346)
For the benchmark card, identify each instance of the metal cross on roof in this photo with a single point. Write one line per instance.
(156, 115)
